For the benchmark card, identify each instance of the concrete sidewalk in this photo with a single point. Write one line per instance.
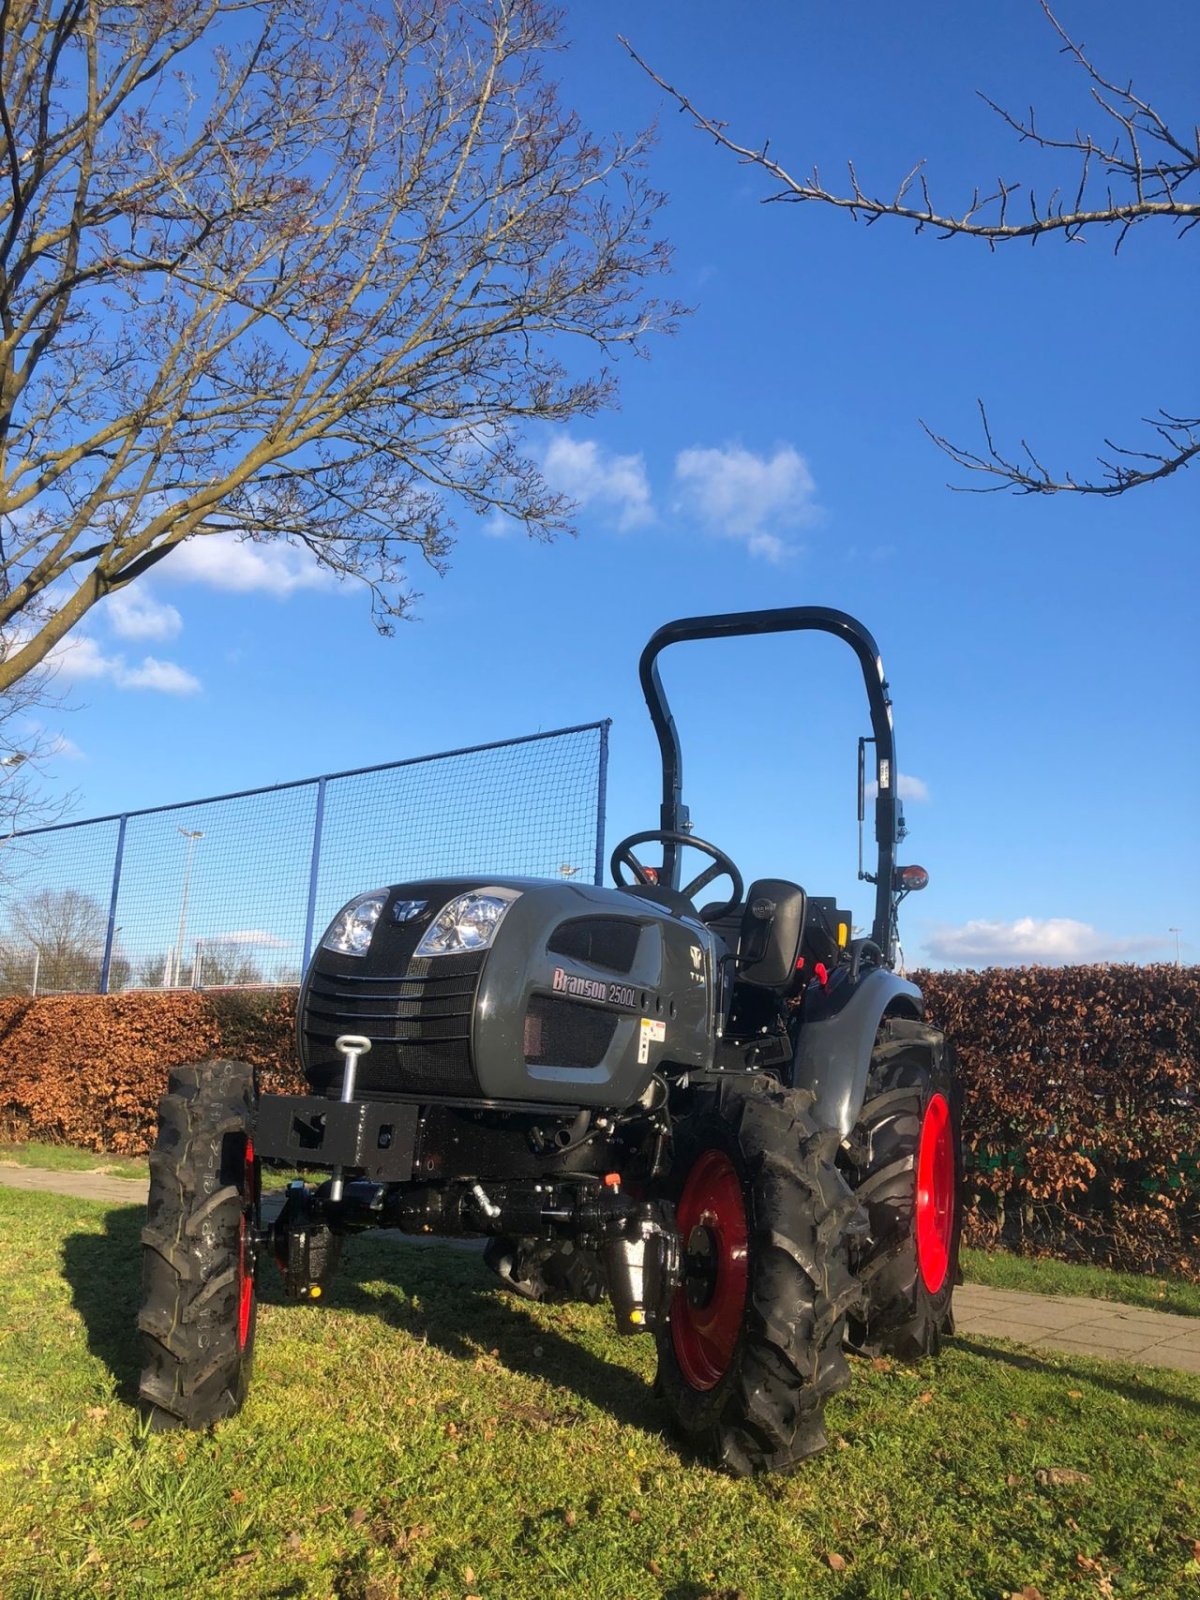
(1065, 1323)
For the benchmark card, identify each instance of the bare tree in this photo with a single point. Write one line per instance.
(66, 930)
(1138, 170)
(296, 271)
(25, 748)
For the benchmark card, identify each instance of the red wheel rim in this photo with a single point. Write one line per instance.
(935, 1193)
(712, 1224)
(245, 1269)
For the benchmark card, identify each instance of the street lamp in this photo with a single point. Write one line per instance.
(1175, 931)
(191, 835)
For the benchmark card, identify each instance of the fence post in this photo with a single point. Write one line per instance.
(111, 931)
(314, 867)
(602, 798)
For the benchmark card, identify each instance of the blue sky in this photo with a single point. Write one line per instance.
(1042, 651)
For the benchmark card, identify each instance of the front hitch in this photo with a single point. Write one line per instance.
(305, 1247)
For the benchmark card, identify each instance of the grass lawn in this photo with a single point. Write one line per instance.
(420, 1434)
(999, 1270)
(65, 1158)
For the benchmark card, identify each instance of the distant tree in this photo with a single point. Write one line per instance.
(294, 271)
(152, 972)
(1137, 170)
(66, 930)
(219, 964)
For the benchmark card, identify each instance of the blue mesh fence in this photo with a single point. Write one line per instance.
(236, 888)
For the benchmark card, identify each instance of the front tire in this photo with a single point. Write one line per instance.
(906, 1170)
(199, 1305)
(753, 1348)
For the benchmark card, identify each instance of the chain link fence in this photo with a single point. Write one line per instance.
(234, 889)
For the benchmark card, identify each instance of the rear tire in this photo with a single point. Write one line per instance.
(906, 1171)
(199, 1305)
(753, 1348)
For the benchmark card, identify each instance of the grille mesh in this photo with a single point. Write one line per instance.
(559, 1033)
(419, 1026)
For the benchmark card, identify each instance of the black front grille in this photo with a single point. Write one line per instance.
(560, 1033)
(419, 1026)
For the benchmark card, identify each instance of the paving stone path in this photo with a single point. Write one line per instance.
(1060, 1322)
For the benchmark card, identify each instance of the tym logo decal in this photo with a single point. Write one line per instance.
(611, 994)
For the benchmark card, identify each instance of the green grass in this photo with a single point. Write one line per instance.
(999, 1270)
(65, 1158)
(420, 1434)
(996, 1269)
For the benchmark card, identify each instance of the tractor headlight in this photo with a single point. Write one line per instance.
(469, 922)
(350, 931)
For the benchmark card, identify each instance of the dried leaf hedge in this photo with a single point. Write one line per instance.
(1083, 1109)
(88, 1069)
(1082, 1092)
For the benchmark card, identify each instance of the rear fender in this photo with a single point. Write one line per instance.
(833, 1052)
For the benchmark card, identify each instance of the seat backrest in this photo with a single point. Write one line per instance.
(772, 927)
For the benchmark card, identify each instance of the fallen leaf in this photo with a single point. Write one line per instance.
(1053, 1475)
(468, 1574)
(293, 1541)
(654, 1569)
(358, 1516)
(1028, 1592)
(570, 1517)
(96, 1413)
(245, 1557)
(237, 1496)
(1074, 1394)
(635, 1515)
(924, 1399)
(835, 1562)
(139, 1523)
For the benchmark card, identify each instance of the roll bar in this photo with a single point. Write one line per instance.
(787, 619)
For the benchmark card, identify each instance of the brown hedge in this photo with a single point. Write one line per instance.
(1083, 1109)
(1082, 1092)
(88, 1070)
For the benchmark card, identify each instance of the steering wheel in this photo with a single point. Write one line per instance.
(623, 856)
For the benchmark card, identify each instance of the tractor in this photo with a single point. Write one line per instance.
(729, 1119)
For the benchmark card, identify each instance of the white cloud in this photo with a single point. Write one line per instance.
(135, 614)
(154, 674)
(62, 746)
(80, 657)
(590, 475)
(223, 561)
(907, 788)
(1030, 941)
(738, 494)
